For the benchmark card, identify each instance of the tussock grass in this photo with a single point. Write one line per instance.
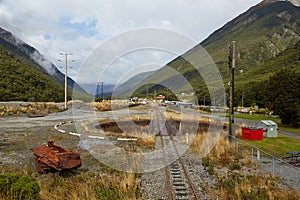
(76, 185)
(29, 108)
(104, 105)
(146, 141)
(222, 154)
(235, 183)
(256, 186)
(83, 186)
(108, 105)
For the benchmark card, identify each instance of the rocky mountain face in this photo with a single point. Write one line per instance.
(34, 59)
(261, 33)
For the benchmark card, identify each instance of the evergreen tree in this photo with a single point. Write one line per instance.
(283, 96)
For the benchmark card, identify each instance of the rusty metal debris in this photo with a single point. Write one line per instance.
(51, 158)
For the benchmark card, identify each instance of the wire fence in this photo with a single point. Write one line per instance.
(275, 166)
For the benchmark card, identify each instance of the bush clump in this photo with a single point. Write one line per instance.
(18, 187)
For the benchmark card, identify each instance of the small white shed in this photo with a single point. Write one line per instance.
(270, 128)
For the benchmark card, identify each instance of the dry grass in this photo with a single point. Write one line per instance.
(77, 186)
(256, 186)
(146, 141)
(83, 186)
(196, 144)
(30, 108)
(111, 185)
(223, 153)
(101, 106)
(235, 184)
(108, 105)
(140, 118)
(56, 187)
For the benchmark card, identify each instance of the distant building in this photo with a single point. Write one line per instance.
(134, 99)
(160, 98)
(186, 104)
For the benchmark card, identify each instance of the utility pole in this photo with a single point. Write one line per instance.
(147, 89)
(102, 90)
(243, 100)
(241, 71)
(97, 90)
(231, 65)
(168, 88)
(66, 74)
(214, 100)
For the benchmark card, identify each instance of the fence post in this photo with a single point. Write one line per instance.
(187, 138)
(273, 165)
(258, 154)
(252, 155)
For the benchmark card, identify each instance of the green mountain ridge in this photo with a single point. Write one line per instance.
(261, 34)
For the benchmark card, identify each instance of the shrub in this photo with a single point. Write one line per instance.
(235, 166)
(210, 167)
(18, 187)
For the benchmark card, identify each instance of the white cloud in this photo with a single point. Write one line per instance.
(79, 26)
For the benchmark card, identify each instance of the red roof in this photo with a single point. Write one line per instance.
(160, 97)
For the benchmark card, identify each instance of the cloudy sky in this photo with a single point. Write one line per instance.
(81, 26)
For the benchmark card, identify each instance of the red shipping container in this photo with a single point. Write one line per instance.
(251, 133)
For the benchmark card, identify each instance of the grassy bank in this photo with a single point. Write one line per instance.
(277, 146)
(291, 130)
(256, 117)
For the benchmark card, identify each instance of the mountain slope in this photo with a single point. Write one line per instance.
(251, 85)
(261, 33)
(34, 59)
(132, 84)
(19, 82)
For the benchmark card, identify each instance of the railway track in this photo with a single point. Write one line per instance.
(178, 182)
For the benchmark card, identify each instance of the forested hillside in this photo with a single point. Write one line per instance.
(251, 84)
(19, 82)
(275, 85)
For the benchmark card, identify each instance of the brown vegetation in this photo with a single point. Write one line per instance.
(76, 185)
(33, 108)
(235, 183)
